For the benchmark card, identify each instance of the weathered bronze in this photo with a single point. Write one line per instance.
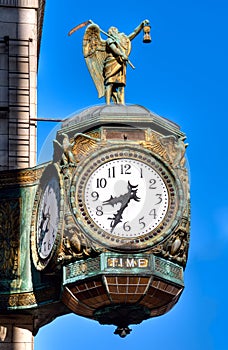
(169, 148)
(114, 279)
(107, 59)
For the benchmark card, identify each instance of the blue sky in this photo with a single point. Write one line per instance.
(182, 75)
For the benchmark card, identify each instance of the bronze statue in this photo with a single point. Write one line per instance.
(107, 59)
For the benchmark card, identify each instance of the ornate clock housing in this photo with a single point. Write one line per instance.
(116, 242)
(127, 199)
(47, 218)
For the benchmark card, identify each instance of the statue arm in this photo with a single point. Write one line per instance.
(138, 29)
(117, 51)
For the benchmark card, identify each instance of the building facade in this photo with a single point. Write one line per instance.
(20, 28)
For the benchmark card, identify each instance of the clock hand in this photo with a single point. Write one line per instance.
(123, 197)
(124, 200)
(131, 194)
(43, 230)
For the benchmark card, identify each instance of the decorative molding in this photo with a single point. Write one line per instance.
(40, 24)
(114, 263)
(22, 177)
(175, 248)
(170, 148)
(17, 300)
(29, 299)
(9, 238)
(168, 269)
(20, 3)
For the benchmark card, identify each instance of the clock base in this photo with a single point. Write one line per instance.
(122, 316)
(122, 289)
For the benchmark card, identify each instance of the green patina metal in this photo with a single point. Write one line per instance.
(123, 264)
(80, 261)
(16, 206)
(21, 286)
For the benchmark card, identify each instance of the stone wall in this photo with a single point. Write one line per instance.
(16, 332)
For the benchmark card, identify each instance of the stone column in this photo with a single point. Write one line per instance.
(19, 46)
(16, 332)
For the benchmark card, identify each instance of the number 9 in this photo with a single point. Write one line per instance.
(95, 196)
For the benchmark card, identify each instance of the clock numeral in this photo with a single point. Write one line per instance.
(142, 223)
(44, 245)
(101, 183)
(53, 232)
(126, 227)
(99, 210)
(49, 245)
(95, 195)
(152, 183)
(125, 169)
(153, 213)
(141, 173)
(159, 195)
(111, 172)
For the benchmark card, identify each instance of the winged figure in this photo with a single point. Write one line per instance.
(63, 151)
(107, 59)
(94, 50)
(175, 149)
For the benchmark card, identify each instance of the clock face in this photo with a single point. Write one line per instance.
(126, 198)
(48, 218)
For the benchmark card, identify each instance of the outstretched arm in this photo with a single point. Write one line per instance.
(138, 29)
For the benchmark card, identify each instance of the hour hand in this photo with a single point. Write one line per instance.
(123, 198)
(112, 201)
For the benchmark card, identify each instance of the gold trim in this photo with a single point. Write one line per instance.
(28, 298)
(22, 177)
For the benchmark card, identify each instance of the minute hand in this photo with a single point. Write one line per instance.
(118, 216)
(124, 200)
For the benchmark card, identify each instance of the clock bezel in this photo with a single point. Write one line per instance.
(124, 244)
(50, 172)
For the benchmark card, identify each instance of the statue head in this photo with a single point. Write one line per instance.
(113, 31)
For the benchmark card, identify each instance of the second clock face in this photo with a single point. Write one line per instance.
(48, 218)
(126, 198)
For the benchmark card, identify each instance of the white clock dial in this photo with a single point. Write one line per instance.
(48, 219)
(126, 198)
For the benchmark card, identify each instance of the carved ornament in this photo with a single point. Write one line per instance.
(22, 177)
(9, 238)
(175, 248)
(74, 243)
(171, 149)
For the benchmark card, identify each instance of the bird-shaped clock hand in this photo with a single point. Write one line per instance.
(124, 199)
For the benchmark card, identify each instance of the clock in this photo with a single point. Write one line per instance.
(126, 199)
(47, 218)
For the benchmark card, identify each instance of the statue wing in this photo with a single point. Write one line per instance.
(94, 50)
